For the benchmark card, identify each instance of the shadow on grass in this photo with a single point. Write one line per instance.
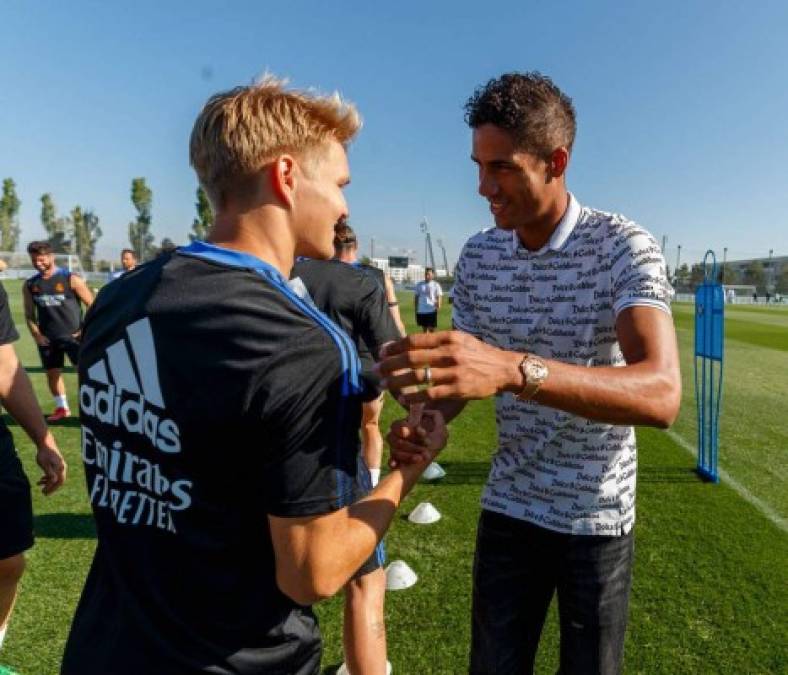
(69, 422)
(64, 526)
(667, 474)
(463, 473)
(40, 369)
(475, 473)
(331, 670)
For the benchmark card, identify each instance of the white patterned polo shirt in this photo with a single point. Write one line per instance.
(552, 468)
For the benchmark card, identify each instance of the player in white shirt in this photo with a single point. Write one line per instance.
(428, 301)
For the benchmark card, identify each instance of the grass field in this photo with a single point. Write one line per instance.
(710, 592)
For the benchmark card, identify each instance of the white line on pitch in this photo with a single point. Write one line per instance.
(743, 492)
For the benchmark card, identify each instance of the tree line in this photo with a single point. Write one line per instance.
(78, 231)
(755, 274)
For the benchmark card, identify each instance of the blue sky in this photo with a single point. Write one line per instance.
(682, 107)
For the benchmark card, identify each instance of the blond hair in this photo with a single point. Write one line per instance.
(239, 131)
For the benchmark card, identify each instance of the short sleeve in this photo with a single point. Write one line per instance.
(8, 332)
(438, 289)
(307, 428)
(639, 275)
(463, 310)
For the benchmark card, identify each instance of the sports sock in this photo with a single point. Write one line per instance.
(374, 474)
(2, 634)
(61, 402)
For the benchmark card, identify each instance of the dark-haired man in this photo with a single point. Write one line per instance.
(562, 313)
(128, 261)
(52, 299)
(355, 297)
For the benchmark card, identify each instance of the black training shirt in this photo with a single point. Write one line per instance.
(58, 311)
(210, 396)
(354, 296)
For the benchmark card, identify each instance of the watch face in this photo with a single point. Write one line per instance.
(536, 371)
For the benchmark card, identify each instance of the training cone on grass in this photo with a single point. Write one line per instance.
(433, 472)
(342, 670)
(424, 514)
(399, 576)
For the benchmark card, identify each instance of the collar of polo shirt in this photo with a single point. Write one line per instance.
(559, 236)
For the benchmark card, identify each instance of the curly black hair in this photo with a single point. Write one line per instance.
(538, 114)
(39, 248)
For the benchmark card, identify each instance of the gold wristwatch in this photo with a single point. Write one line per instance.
(534, 372)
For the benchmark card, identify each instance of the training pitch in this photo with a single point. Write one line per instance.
(710, 590)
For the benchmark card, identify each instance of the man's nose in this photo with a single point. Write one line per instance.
(488, 186)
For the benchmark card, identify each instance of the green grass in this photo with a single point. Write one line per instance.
(710, 588)
(754, 416)
(759, 326)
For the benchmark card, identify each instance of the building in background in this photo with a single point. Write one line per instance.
(402, 270)
(767, 274)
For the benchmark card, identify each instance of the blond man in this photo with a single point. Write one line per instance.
(224, 512)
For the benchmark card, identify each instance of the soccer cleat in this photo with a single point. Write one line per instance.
(56, 416)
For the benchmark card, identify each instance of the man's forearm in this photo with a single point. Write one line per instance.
(30, 313)
(328, 550)
(32, 326)
(638, 394)
(20, 401)
(398, 321)
(646, 391)
(369, 518)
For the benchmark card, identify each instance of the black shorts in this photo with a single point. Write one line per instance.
(52, 354)
(16, 504)
(369, 377)
(427, 320)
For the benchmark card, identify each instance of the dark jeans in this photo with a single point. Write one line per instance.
(517, 568)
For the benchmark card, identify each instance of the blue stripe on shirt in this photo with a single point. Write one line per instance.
(351, 364)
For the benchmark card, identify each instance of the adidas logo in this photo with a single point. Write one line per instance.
(128, 399)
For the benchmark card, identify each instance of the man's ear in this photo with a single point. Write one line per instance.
(559, 160)
(282, 175)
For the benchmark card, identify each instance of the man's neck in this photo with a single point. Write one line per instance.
(49, 272)
(259, 233)
(537, 233)
(346, 257)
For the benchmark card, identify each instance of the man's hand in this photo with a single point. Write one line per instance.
(417, 440)
(461, 367)
(52, 464)
(41, 340)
